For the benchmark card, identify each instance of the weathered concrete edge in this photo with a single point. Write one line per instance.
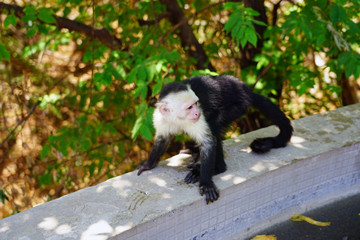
(121, 203)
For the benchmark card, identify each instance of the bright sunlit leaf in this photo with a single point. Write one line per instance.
(264, 237)
(297, 218)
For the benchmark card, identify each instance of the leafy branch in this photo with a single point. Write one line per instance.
(37, 103)
(101, 34)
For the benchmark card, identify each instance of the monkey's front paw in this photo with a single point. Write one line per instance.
(194, 175)
(210, 191)
(144, 166)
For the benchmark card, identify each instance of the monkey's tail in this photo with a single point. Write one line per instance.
(273, 113)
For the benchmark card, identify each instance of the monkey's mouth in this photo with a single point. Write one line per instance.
(195, 118)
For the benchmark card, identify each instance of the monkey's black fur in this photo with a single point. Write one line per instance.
(222, 100)
(173, 87)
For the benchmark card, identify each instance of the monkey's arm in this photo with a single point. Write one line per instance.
(159, 148)
(208, 159)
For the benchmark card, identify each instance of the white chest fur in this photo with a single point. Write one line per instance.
(167, 126)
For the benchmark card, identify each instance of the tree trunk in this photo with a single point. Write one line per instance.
(249, 51)
(187, 37)
(349, 91)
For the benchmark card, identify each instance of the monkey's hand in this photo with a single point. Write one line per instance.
(144, 166)
(194, 175)
(210, 191)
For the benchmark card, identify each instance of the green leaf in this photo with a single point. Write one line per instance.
(45, 179)
(351, 67)
(87, 55)
(342, 13)
(230, 5)
(30, 15)
(259, 22)
(85, 145)
(146, 132)
(46, 15)
(334, 14)
(67, 10)
(43, 29)
(98, 78)
(107, 78)
(45, 151)
(121, 149)
(157, 88)
(3, 196)
(92, 167)
(31, 32)
(141, 109)
(230, 24)
(143, 92)
(238, 31)
(63, 146)
(344, 58)
(76, 2)
(251, 12)
(262, 61)
(304, 25)
(243, 42)
(251, 36)
(353, 27)
(10, 19)
(240, 25)
(47, 99)
(136, 128)
(203, 72)
(320, 40)
(4, 54)
(141, 74)
(132, 76)
(115, 73)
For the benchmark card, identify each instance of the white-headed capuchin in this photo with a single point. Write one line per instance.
(203, 107)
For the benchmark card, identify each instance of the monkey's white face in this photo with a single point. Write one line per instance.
(182, 106)
(180, 112)
(191, 110)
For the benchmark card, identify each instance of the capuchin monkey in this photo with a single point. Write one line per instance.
(203, 107)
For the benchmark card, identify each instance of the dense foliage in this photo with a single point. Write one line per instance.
(78, 79)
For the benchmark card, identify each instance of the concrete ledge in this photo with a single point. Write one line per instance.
(322, 164)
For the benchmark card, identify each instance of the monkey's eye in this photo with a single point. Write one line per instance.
(190, 107)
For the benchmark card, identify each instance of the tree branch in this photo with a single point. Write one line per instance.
(275, 13)
(30, 112)
(102, 34)
(155, 21)
(188, 39)
(262, 73)
(20, 123)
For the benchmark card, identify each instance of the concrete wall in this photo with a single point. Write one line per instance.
(322, 164)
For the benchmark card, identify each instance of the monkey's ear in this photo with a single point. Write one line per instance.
(164, 110)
